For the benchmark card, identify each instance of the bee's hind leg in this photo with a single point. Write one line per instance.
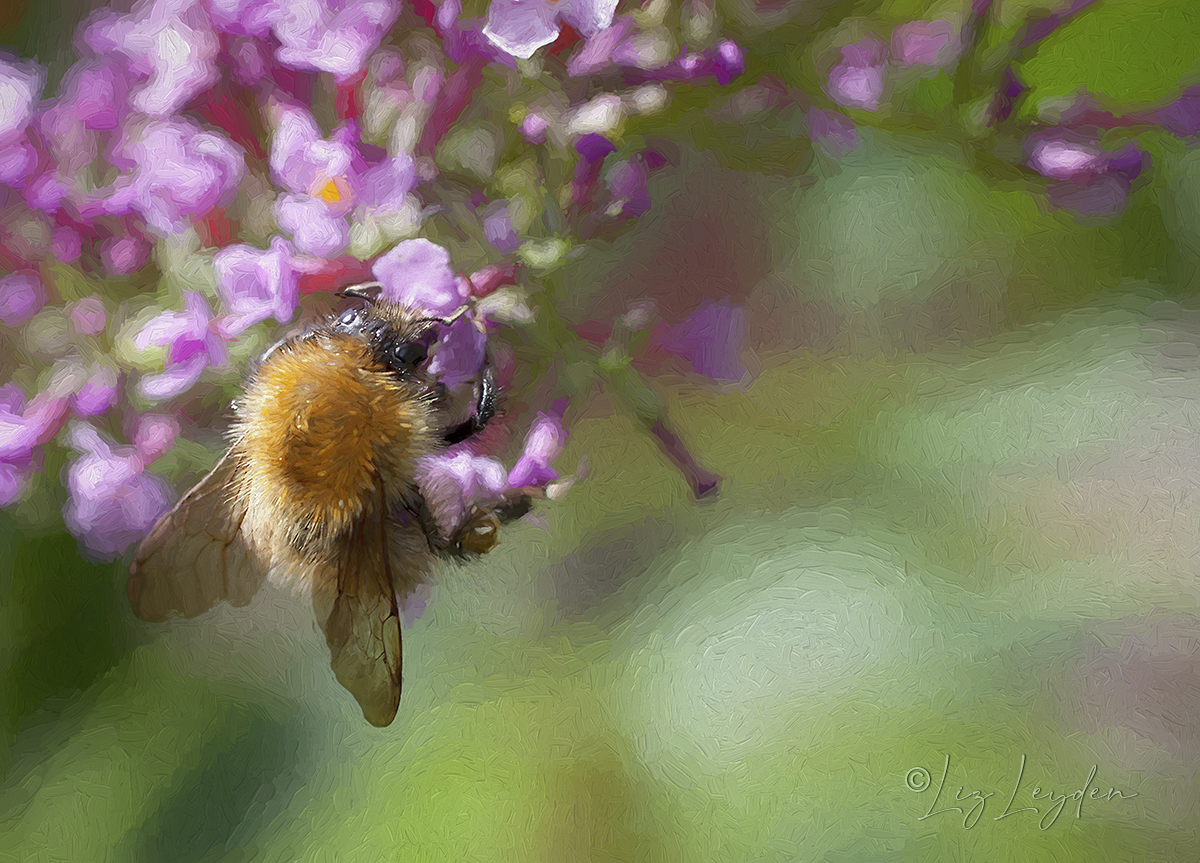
(478, 530)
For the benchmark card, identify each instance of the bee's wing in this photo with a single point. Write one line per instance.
(196, 555)
(357, 608)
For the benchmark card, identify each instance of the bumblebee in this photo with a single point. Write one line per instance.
(320, 486)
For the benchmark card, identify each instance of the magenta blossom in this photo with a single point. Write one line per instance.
(545, 441)
(256, 284)
(597, 52)
(66, 244)
(453, 482)
(1065, 157)
(154, 435)
(498, 227)
(21, 297)
(857, 80)
(22, 428)
(330, 180)
(93, 102)
(13, 481)
(20, 86)
(305, 163)
(25, 426)
(925, 43)
(520, 27)
(244, 17)
(121, 256)
(17, 437)
(335, 36)
(168, 46)
(463, 38)
(112, 501)
(97, 394)
(94, 95)
(417, 273)
(1089, 180)
(710, 339)
(534, 126)
(192, 346)
(1182, 116)
(181, 172)
(627, 185)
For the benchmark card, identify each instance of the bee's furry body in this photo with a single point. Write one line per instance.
(320, 424)
(319, 487)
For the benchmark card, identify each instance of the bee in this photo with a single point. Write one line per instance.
(319, 486)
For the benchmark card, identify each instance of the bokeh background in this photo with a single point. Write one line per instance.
(953, 400)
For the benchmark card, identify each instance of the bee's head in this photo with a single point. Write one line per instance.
(399, 336)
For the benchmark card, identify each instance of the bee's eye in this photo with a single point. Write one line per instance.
(410, 354)
(348, 317)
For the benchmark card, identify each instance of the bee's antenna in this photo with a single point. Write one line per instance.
(447, 321)
(468, 306)
(368, 291)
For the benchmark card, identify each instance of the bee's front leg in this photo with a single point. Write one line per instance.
(485, 408)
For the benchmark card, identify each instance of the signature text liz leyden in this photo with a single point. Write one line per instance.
(1050, 803)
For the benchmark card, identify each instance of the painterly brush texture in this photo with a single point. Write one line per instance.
(851, 352)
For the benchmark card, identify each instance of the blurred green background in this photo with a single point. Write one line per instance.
(958, 525)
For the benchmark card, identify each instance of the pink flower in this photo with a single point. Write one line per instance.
(925, 43)
(66, 245)
(192, 346)
(21, 297)
(98, 394)
(711, 340)
(121, 256)
(20, 86)
(181, 172)
(857, 81)
(256, 284)
(520, 27)
(335, 36)
(1065, 159)
(24, 426)
(451, 483)
(534, 126)
(13, 481)
(154, 435)
(498, 228)
(168, 46)
(111, 502)
(835, 134)
(331, 181)
(545, 441)
(454, 481)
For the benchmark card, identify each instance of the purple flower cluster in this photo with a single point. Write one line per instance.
(1090, 167)
(234, 157)
(178, 121)
(113, 500)
(1084, 176)
(859, 78)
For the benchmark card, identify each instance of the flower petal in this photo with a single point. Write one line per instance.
(417, 273)
(520, 27)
